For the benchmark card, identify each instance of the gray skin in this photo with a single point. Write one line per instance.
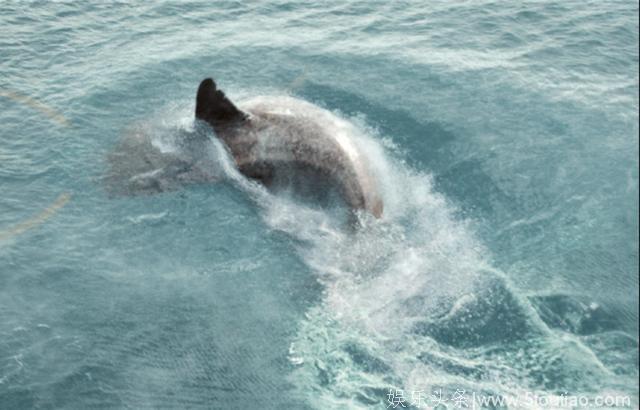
(282, 134)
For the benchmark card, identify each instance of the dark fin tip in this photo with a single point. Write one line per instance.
(213, 106)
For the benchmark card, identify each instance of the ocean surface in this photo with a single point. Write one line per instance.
(504, 136)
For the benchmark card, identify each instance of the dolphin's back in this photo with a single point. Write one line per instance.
(267, 132)
(285, 130)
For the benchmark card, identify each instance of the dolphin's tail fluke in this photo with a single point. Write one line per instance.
(215, 108)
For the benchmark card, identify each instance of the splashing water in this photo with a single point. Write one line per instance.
(412, 301)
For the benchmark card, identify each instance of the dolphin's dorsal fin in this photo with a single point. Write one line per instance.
(215, 108)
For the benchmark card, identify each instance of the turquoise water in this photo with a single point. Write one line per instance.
(504, 136)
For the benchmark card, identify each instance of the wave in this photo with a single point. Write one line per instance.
(413, 302)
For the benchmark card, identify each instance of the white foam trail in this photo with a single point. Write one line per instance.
(417, 252)
(417, 249)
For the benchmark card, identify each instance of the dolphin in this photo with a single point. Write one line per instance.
(272, 136)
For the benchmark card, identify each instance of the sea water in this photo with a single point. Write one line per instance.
(504, 136)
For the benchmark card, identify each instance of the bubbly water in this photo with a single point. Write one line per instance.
(504, 137)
